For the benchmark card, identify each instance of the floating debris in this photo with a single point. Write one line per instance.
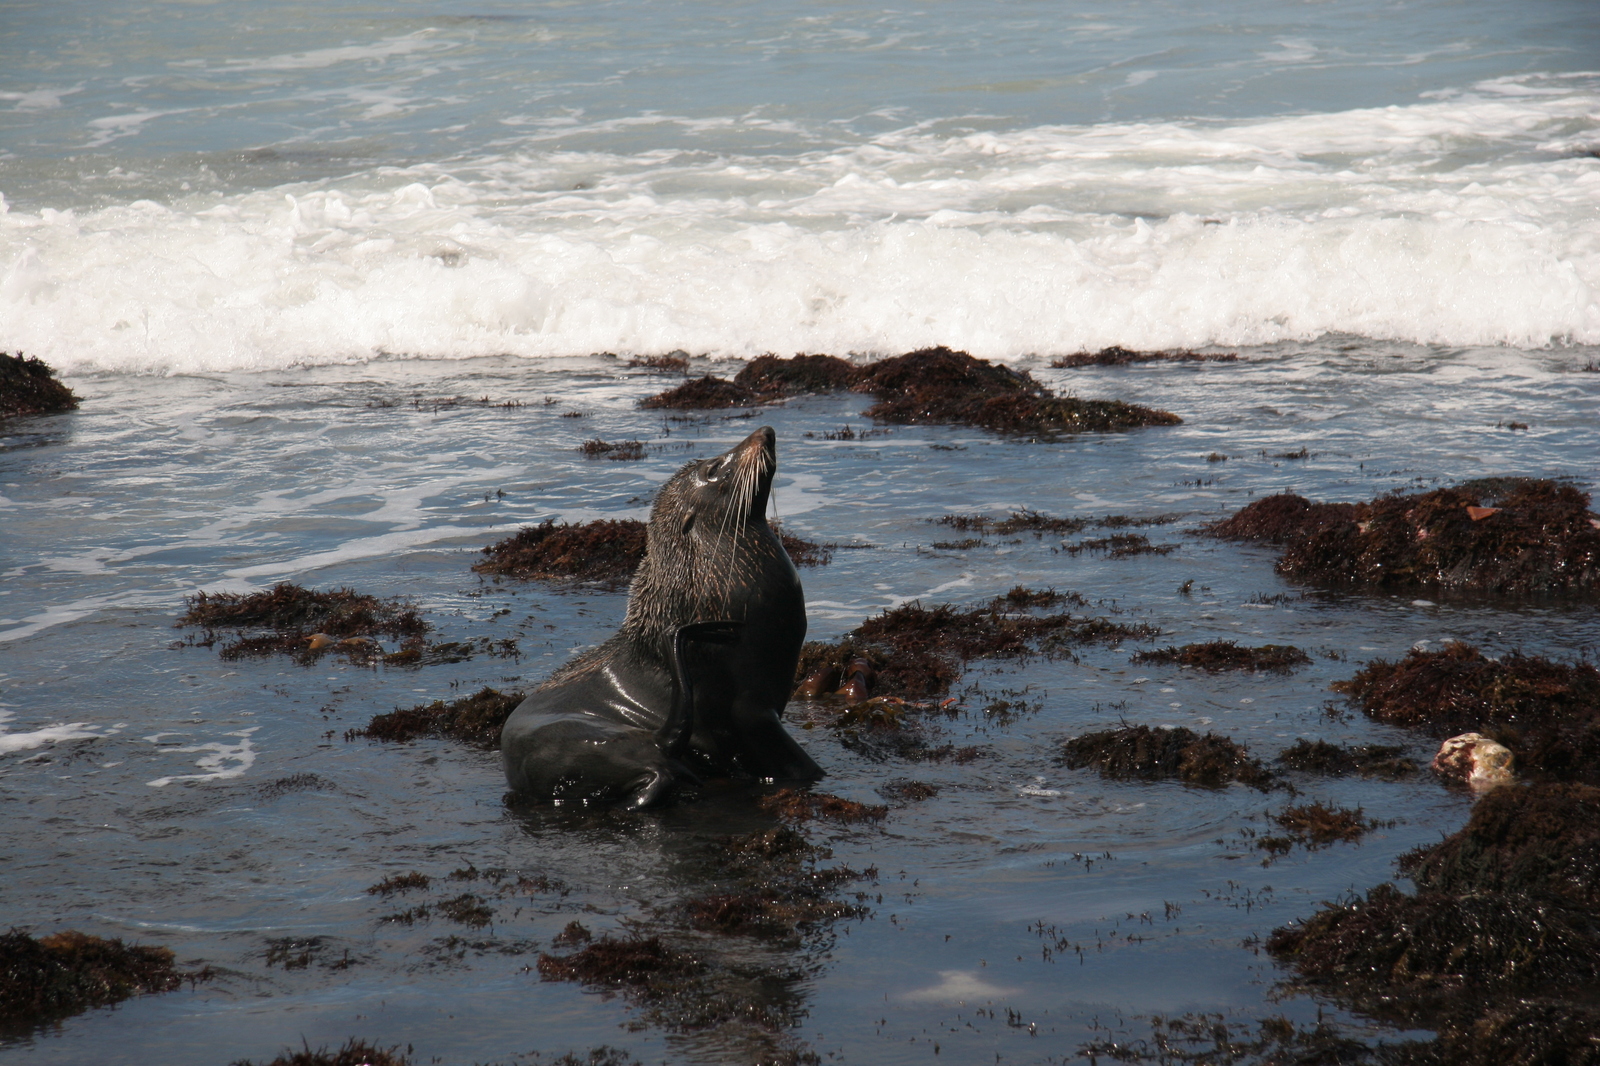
(1157, 753)
(29, 387)
(779, 842)
(51, 977)
(1532, 1032)
(306, 623)
(1218, 655)
(474, 720)
(1546, 712)
(1368, 760)
(675, 965)
(1474, 760)
(1498, 535)
(1119, 356)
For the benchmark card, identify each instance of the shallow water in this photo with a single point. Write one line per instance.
(329, 280)
(158, 793)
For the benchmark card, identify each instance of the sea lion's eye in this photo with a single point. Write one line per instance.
(712, 471)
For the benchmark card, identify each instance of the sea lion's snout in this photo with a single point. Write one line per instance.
(763, 442)
(756, 458)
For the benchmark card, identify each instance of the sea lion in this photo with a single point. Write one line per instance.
(695, 680)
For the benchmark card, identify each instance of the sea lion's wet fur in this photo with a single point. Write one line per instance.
(658, 703)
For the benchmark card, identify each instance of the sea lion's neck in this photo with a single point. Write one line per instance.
(728, 578)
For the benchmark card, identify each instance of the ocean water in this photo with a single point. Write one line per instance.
(327, 278)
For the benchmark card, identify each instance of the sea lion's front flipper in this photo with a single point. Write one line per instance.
(736, 728)
(767, 752)
(693, 670)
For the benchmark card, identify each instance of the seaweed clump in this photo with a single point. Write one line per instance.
(68, 972)
(606, 551)
(1218, 655)
(621, 450)
(1213, 1040)
(1415, 959)
(1025, 520)
(1368, 760)
(1148, 753)
(941, 386)
(29, 387)
(1316, 825)
(773, 378)
(1120, 546)
(802, 805)
(675, 964)
(1117, 355)
(1542, 840)
(673, 362)
(908, 791)
(1546, 712)
(764, 912)
(474, 719)
(935, 386)
(764, 380)
(702, 394)
(1508, 536)
(916, 652)
(1532, 1032)
(306, 623)
(352, 1053)
(1501, 936)
(1281, 518)
(771, 887)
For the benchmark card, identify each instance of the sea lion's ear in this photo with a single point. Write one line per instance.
(688, 522)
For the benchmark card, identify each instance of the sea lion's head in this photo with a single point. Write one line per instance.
(709, 499)
(710, 553)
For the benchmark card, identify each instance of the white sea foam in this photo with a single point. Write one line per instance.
(327, 57)
(220, 762)
(1468, 219)
(38, 738)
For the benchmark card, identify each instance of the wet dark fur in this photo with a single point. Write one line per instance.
(671, 697)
